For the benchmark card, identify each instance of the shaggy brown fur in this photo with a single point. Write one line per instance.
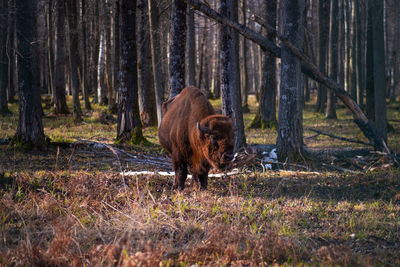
(195, 136)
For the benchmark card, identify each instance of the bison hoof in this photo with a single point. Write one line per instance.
(177, 186)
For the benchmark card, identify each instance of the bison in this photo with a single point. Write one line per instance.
(195, 136)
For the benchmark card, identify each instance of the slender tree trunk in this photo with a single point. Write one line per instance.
(333, 57)
(323, 50)
(94, 38)
(379, 67)
(266, 113)
(30, 127)
(230, 90)
(191, 47)
(117, 47)
(85, 71)
(3, 63)
(245, 77)
(290, 129)
(74, 58)
(177, 47)
(129, 128)
(12, 80)
(101, 65)
(370, 107)
(108, 72)
(155, 56)
(353, 53)
(396, 71)
(146, 89)
(360, 55)
(60, 104)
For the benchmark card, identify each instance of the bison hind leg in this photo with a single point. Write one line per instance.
(180, 168)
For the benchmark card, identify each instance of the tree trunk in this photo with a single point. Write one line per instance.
(353, 53)
(396, 71)
(360, 55)
(129, 128)
(244, 72)
(370, 107)
(379, 67)
(101, 66)
(333, 57)
(146, 90)
(12, 79)
(177, 47)
(230, 90)
(266, 113)
(290, 127)
(3, 63)
(74, 58)
(30, 127)
(155, 56)
(60, 104)
(191, 47)
(323, 50)
(108, 72)
(117, 47)
(85, 71)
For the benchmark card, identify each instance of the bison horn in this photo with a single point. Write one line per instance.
(203, 129)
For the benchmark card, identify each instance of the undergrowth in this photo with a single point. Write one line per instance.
(64, 207)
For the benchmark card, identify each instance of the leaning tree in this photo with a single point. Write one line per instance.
(307, 67)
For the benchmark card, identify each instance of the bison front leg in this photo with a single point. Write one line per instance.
(180, 168)
(202, 178)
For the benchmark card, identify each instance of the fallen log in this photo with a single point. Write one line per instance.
(307, 67)
(339, 137)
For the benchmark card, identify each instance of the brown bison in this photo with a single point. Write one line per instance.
(195, 136)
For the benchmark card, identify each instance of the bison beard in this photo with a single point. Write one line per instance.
(195, 136)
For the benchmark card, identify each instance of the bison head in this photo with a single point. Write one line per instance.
(216, 137)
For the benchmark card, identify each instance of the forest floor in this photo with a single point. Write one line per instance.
(67, 206)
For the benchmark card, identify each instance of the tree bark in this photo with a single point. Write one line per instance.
(129, 128)
(30, 127)
(230, 90)
(353, 53)
(360, 55)
(60, 104)
(191, 47)
(266, 112)
(155, 56)
(74, 58)
(244, 72)
(379, 67)
(290, 126)
(146, 90)
(85, 57)
(12, 81)
(177, 47)
(307, 67)
(101, 65)
(3, 63)
(333, 57)
(323, 51)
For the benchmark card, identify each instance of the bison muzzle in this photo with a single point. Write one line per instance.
(195, 136)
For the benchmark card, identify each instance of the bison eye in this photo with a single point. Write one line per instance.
(214, 141)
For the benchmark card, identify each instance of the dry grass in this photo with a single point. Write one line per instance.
(69, 207)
